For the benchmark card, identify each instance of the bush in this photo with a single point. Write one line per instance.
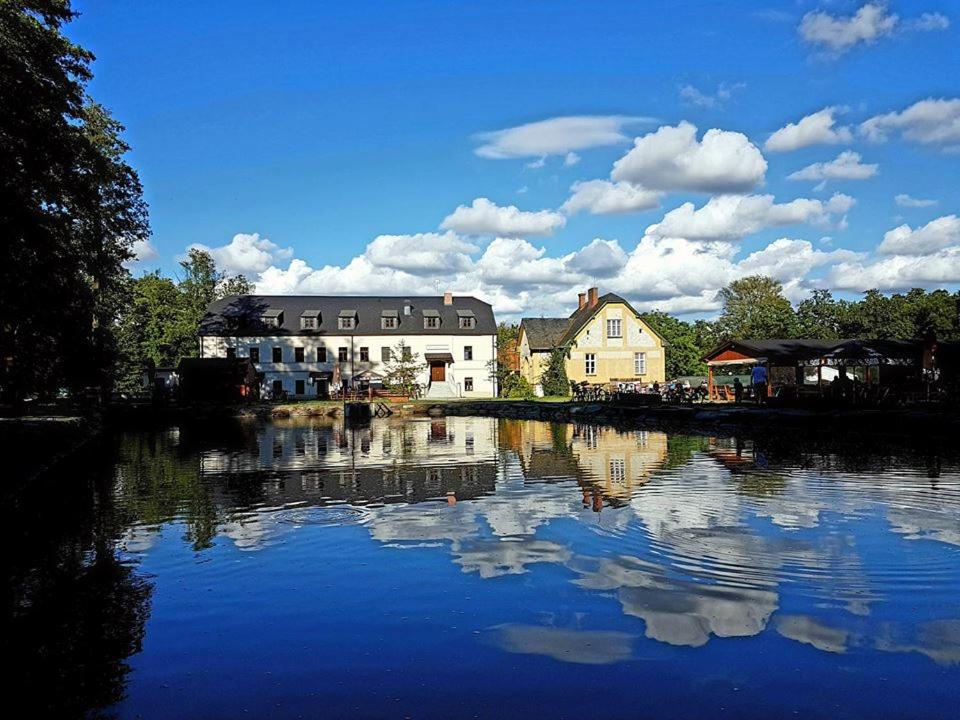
(554, 380)
(517, 387)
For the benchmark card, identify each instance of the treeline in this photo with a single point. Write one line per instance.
(754, 308)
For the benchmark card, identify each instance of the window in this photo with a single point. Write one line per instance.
(298, 354)
(277, 388)
(278, 354)
(321, 354)
(468, 352)
(618, 470)
(308, 323)
(468, 322)
(614, 329)
(342, 354)
(468, 384)
(271, 321)
(254, 354)
(407, 353)
(364, 354)
(639, 363)
(388, 323)
(431, 322)
(385, 355)
(346, 323)
(231, 352)
(590, 364)
(301, 387)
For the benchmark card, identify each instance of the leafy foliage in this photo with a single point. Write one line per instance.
(754, 308)
(554, 380)
(404, 369)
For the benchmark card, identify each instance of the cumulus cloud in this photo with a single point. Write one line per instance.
(601, 258)
(422, 253)
(142, 251)
(904, 200)
(789, 260)
(246, 254)
(935, 235)
(929, 22)
(846, 166)
(816, 129)
(602, 197)
(516, 263)
(929, 122)
(484, 217)
(732, 217)
(555, 136)
(673, 159)
(571, 159)
(840, 33)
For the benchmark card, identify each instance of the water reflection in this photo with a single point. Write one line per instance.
(584, 545)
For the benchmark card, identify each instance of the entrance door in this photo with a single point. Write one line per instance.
(438, 372)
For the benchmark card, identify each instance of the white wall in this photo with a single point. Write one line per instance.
(289, 372)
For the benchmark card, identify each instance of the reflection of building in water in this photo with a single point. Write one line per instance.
(609, 463)
(388, 461)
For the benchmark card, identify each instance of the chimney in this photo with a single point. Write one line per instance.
(448, 298)
(582, 297)
(593, 297)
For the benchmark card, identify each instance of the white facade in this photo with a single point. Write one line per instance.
(464, 377)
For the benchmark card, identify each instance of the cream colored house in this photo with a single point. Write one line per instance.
(607, 342)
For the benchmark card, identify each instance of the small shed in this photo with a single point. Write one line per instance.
(218, 380)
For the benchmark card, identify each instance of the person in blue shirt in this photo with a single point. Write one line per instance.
(758, 378)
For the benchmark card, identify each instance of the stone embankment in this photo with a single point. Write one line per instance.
(708, 417)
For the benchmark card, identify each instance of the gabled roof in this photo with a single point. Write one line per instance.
(240, 315)
(543, 333)
(793, 350)
(553, 332)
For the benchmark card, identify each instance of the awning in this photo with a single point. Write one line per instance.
(438, 357)
(368, 375)
(321, 374)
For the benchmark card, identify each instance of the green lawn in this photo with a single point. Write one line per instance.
(329, 404)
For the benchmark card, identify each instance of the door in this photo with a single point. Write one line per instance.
(438, 372)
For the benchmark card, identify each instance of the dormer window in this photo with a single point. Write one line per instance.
(347, 320)
(272, 318)
(467, 319)
(389, 320)
(309, 319)
(431, 319)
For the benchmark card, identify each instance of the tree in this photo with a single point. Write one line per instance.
(754, 308)
(820, 317)
(554, 379)
(404, 369)
(70, 207)
(682, 344)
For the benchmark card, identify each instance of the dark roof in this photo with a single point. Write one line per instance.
(548, 333)
(240, 315)
(543, 333)
(792, 350)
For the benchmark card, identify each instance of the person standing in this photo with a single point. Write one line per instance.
(737, 391)
(758, 378)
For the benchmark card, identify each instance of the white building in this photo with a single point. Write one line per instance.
(301, 343)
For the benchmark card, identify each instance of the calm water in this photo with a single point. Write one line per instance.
(470, 567)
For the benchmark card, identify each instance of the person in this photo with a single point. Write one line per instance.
(656, 387)
(758, 378)
(737, 391)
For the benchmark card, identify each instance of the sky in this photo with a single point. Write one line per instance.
(523, 151)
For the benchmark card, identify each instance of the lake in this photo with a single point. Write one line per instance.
(473, 567)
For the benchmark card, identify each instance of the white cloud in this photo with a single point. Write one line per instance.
(816, 129)
(701, 99)
(673, 159)
(789, 260)
(246, 254)
(602, 197)
(555, 136)
(601, 258)
(904, 200)
(935, 235)
(571, 159)
(930, 122)
(929, 22)
(846, 166)
(898, 272)
(484, 217)
(142, 251)
(517, 264)
(840, 33)
(421, 254)
(732, 217)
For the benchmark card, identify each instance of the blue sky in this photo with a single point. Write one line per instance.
(322, 147)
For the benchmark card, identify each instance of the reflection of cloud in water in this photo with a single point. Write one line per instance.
(492, 558)
(807, 630)
(939, 640)
(681, 612)
(587, 647)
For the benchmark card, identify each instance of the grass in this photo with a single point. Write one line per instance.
(329, 404)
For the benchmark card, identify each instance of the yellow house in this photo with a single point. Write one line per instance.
(607, 342)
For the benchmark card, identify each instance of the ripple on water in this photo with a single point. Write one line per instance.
(324, 516)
